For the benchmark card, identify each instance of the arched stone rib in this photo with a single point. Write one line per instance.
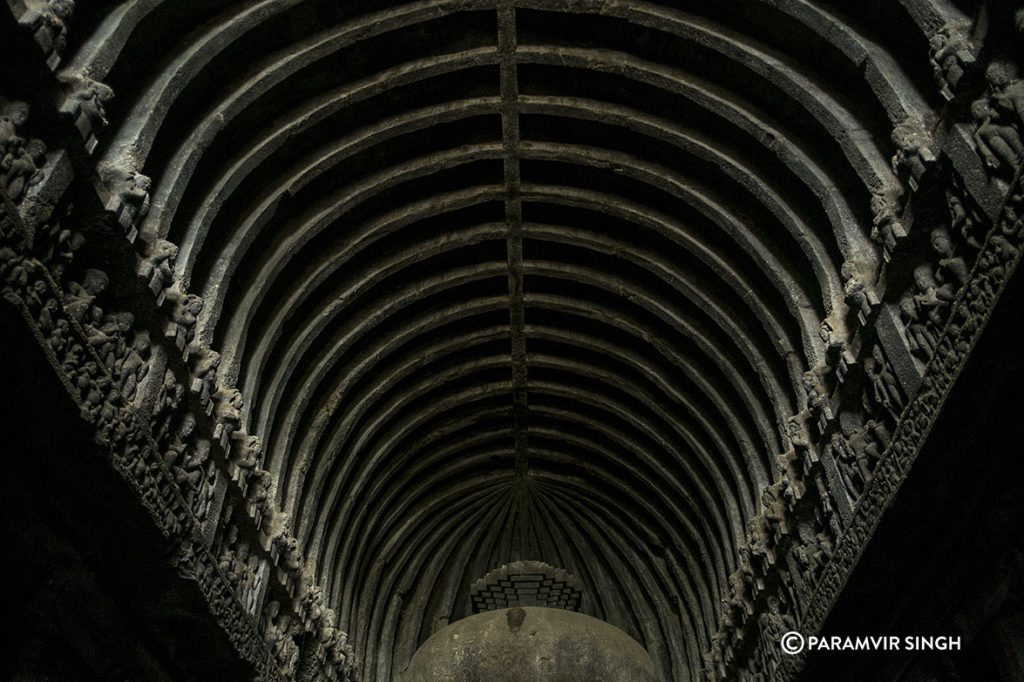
(300, 173)
(318, 373)
(376, 483)
(346, 252)
(663, 310)
(321, 317)
(892, 89)
(613, 542)
(420, 250)
(402, 336)
(874, 174)
(455, 311)
(715, 152)
(295, 178)
(293, 241)
(690, 438)
(415, 290)
(146, 116)
(355, 506)
(384, 386)
(377, 606)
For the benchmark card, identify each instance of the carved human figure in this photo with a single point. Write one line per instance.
(312, 601)
(774, 624)
(878, 438)
(185, 310)
(853, 286)
(930, 299)
(133, 191)
(22, 168)
(269, 623)
(13, 115)
(834, 342)
(116, 327)
(243, 578)
(79, 299)
(814, 554)
(885, 390)
(135, 366)
(758, 537)
(788, 464)
(205, 363)
(203, 492)
(228, 409)
(912, 152)
(920, 338)
(260, 484)
(1007, 91)
(288, 548)
(176, 453)
(774, 510)
(952, 272)
(886, 227)
(949, 52)
(817, 394)
(797, 433)
(90, 97)
(51, 16)
(246, 450)
(65, 244)
(168, 399)
(846, 461)
(998, 143)
(253, 582)
(962, 218)
(158, 263)
(857, 442)
(286, 651)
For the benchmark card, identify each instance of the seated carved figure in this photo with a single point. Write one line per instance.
(950, 53)
(23, 168)
(886, 228)
(50, 16)
(920, 338)
(1007, 91)
(158, 264)
(89, 98)
(998, 143)
(185, 310)
(952, 271)
(931, 300)
(135, 366)
(78, 300)
(13, 115)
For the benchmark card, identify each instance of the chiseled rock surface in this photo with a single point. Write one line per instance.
(530, 644)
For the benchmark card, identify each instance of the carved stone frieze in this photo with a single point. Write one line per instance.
(48, 21)
(102, 358)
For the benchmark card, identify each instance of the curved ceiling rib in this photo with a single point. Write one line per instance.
(515, 280)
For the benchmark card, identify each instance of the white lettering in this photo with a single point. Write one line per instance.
(883, 643)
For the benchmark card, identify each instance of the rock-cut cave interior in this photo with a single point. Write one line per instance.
(511, 340)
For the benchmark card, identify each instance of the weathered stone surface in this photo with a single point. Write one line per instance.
(530, 644)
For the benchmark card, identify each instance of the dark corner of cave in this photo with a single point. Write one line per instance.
(512, 340)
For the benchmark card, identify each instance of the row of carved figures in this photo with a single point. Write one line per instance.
(109, 359)
(21, 158)
(794, 537)
(121, 357)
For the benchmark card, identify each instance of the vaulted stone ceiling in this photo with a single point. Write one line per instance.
(516, 280)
